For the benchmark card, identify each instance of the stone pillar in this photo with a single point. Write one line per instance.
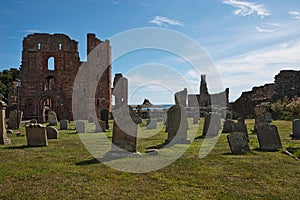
(3, 134)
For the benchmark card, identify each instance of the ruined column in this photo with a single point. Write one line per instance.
(3, 134)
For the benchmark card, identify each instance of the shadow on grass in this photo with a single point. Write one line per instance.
(264, 150)
(160, 146)
(88, 162)
(232, 154)
(23, 147)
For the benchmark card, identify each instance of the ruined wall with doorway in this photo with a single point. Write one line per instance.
(49, 66)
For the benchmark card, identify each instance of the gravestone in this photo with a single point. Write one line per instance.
(227, 126)
(124, 137)
(152, 124)
(12, 121)
(212, 124)
(90, 119)
(3, 133)
(100, 126)
(105, 116)
(52, 119)
(240, 127)
(177, 125)
(64, 124)
(241, 120)
(180, 97)
(52, 132)
(268, 137)
(36, 135)
(195, 120)
(80, 126)
(296, 129)
(238, 143)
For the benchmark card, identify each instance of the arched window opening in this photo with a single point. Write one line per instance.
(59, 46)
(51, 63)
(50, 83)
(39, 46)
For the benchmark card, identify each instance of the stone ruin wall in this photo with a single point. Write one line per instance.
(42, 86)
(287, 83)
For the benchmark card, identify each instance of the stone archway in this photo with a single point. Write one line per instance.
(48, 103)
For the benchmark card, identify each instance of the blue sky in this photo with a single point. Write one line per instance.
(249, 41)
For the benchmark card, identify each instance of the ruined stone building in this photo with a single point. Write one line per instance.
(49, 66)
(204, 99)
(286, 84)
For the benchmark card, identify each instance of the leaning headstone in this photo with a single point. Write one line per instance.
(227, 126)
(238, 143)
(64, 124)
(80, 126)
(52, 119)
(296, 129)
(104, 117)
(52, 132)
(212, 123)
(177, 125)
(3, 133)
(240, 127)
(36, 135)
(268, 137)
(180, 97)
(152, 124)
(14, 120)
(100, 126)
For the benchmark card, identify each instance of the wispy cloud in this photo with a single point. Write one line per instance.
(262, 30)
(32, 31)
(295, 14)
(165, 22)
(114, 2)
(245, 8)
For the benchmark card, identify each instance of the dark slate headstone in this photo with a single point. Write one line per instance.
(152, 124)
(238, 143)
(100, 126)
(177, 125)
(52, 133)
(240, 127)
(64, 124)
(268, 137)
(212, 123)
(80, 126)
(296, 129)
(227, 126)
(105, 116)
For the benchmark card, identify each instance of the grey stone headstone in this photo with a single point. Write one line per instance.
(238, 143)
(212, 124)
(36, 135)
(296, 129)
(177, 125)
(152, 124)
(52, 132)
(240, 127)
(64, 124)
(52, 119)
(227, 126)
(80, 126)
(268, 137)
(12, 122)
(90, 119)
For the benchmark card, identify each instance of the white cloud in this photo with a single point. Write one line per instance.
(258, 67)
(32, 31)
(165, 22)
(295, 14)
(247, 8)
(261, 30)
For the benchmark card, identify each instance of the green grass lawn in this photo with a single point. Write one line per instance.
(66, 170)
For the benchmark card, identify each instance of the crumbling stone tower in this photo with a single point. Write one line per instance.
(48, 70)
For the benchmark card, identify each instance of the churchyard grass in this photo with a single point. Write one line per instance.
(66, 170)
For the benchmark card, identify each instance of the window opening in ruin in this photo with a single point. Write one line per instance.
(59, 46)
(50, 83)
(51, 63)
(39, 46)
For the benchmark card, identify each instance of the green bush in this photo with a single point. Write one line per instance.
(286, 109)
